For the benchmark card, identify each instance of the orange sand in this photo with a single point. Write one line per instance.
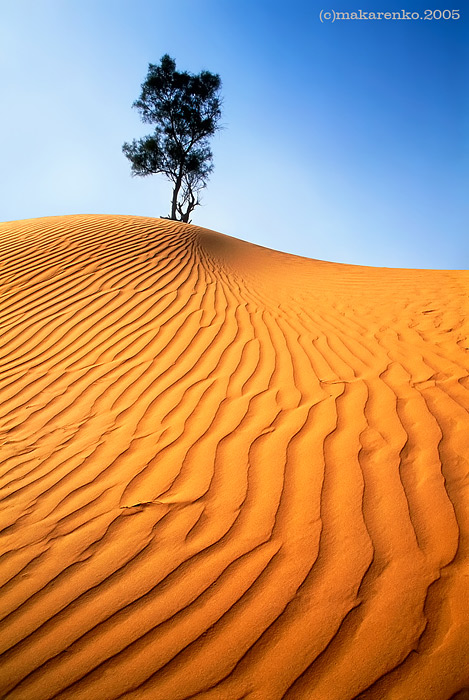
(228, 472)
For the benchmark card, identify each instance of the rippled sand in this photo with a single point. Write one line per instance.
(226, 472)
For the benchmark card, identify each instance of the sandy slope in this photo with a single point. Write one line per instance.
(228, 472)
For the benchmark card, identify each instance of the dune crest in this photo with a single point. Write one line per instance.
(228, 472)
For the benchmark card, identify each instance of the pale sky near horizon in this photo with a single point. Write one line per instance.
(344, 141)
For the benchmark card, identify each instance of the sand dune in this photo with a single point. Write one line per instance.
(226, 472)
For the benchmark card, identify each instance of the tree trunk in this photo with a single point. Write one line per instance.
(191, 205)
(174, 201)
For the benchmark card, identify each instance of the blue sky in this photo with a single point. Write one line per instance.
(344, 141)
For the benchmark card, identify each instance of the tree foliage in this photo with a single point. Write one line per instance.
(185, 110)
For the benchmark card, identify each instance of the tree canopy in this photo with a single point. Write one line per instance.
(185, 110)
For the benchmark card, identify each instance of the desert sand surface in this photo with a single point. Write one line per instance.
(227, 472)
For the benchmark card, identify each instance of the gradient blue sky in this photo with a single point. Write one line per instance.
(345, 141)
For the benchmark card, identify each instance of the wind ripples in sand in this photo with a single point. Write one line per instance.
(228, 472)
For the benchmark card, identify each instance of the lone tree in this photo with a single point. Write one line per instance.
(185, 109)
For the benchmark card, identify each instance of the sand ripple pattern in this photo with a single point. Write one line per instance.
(228, 473)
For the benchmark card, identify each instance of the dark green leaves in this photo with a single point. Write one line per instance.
(185, 109)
